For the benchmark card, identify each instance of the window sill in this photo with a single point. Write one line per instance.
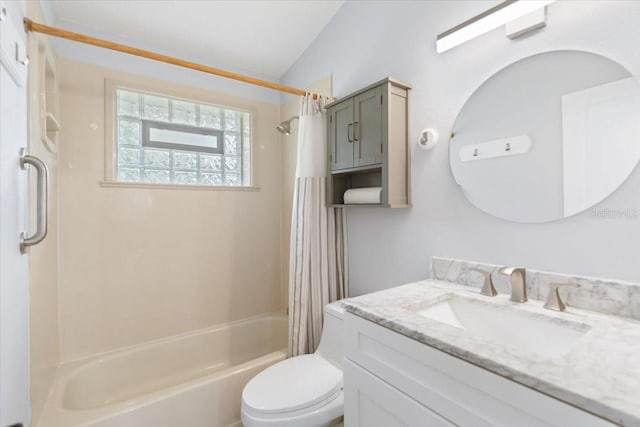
(143, 185)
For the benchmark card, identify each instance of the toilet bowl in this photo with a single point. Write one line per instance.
(303, 391)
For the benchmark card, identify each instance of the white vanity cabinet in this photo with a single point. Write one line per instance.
(392, 380)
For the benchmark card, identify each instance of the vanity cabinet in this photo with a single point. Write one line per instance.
(367, 143)
(392, 380)
(372, 402)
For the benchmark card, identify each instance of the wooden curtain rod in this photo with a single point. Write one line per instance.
(69, 35)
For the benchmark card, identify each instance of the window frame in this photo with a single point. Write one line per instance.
(145, 138)
(179, 93)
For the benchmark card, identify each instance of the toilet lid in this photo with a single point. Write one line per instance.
(292, 384)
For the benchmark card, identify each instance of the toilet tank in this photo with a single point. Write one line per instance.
(331, 343)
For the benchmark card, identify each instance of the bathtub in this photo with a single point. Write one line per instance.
(190, 380)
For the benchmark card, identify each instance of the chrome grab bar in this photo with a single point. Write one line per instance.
(42, 214)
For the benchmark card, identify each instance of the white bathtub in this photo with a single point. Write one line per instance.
(191, 380)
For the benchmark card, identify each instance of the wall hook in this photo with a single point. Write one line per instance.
(504, 147)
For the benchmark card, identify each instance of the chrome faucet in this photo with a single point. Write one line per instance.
(517, 276)
(487, 286)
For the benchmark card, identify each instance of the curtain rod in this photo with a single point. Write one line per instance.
(58, 32)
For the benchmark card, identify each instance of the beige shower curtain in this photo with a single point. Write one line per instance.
(318, 271)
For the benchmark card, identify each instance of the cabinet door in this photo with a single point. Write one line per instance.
(371, 402)
(14, 218)
(341, 135)
(367, 127)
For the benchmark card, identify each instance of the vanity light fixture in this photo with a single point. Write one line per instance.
(504, 13)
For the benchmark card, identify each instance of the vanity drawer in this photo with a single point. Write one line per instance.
(370, 402)
(459, 391)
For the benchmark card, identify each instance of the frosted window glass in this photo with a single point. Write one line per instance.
(210, 117)
(231, 164)
(210, 162)
(129, 156)
(128, 132)
(157, 176)
(231, 144)
(161, 140)
(185, 160)
(129, 174)
(156, 108)
(157, 158)
(183, 112)
(128, 103)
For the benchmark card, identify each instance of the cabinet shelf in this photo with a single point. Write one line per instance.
(356, 170)
(368, 205)
(368, 144)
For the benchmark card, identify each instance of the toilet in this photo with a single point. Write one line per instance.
(303, 391)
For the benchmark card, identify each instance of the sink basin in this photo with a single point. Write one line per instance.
(505, 324)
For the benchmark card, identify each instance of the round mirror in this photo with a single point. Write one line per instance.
(548, 136)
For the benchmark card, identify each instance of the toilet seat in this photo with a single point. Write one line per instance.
(292, 387)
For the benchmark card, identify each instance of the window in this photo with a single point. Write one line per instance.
(164, 140)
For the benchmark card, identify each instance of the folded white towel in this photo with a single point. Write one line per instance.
(367, 195)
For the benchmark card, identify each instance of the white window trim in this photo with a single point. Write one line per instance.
(111, 142)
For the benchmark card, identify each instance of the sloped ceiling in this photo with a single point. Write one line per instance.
(261, 37)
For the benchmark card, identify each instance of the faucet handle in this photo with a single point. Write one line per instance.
(554, 301)
(487, 286)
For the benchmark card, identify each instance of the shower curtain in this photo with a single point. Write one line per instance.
(318, 252)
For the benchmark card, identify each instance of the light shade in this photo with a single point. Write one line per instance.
(487, 21)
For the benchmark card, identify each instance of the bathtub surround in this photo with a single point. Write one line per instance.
(389, 247)
(318, 269)
(139, 264)
(608, 296)
(43, 258)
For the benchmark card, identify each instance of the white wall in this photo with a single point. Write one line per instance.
(369, 40)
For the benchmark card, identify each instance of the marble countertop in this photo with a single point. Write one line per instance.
(600, 373)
